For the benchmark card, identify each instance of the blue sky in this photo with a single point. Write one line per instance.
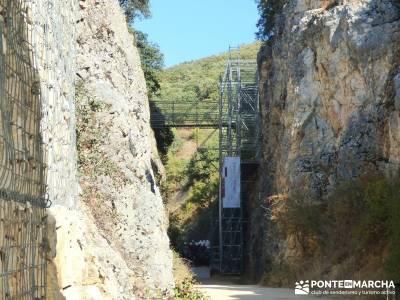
(191, 29)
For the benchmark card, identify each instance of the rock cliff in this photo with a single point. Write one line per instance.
(330, 97)
(111, 238)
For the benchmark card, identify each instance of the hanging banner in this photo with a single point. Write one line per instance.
(231, 182)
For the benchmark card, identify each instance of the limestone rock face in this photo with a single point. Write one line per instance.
(120, 193)
(330, 82)
(112, 242)
(329, 96)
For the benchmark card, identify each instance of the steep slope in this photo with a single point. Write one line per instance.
(330, 85)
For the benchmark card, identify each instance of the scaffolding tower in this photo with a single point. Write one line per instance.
(236, 116)
(239, 136)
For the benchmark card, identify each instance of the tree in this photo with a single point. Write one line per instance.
(268, 9)
(135, 8)
(152, 61)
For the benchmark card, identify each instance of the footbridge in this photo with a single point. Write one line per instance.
(187, 114)
(236, 117)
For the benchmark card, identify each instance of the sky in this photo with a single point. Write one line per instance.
(191, 29)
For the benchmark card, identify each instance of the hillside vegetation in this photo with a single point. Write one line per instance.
(198, 80)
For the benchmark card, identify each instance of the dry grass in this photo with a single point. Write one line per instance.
(353, 233)
(181, 269)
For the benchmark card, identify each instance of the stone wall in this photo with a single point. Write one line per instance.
(112, 244)
(329, 96)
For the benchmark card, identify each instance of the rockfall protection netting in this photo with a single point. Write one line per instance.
(23, 221)
(22, 168)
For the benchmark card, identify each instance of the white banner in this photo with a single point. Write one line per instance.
(231, 182)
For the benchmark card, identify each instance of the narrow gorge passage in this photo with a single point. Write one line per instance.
(234, 125)
(199, 150)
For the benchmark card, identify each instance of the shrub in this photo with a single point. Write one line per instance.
(187, 291)
(380, 220)
(195, 181)
(200, 166)
(181, 269)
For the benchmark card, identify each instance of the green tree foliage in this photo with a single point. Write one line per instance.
(198, 80)
(135, 8)
(268, 9)
(196, 180)
(152, 61)
(199, 167)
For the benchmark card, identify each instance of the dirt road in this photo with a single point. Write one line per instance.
(250, 292)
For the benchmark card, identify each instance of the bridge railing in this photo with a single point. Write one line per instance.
(184, 114)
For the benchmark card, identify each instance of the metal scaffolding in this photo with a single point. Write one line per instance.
(239, 110)
(236, 116)
(239, 136)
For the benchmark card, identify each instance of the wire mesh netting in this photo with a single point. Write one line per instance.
(23, 223)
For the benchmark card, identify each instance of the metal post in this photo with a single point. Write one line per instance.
(229, 123)
(238, 153)
(220, 175)
(257, 119)
(238, 116)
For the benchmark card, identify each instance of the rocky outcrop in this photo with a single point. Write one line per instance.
(330, 86)
(120, 191)
(108, 237)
